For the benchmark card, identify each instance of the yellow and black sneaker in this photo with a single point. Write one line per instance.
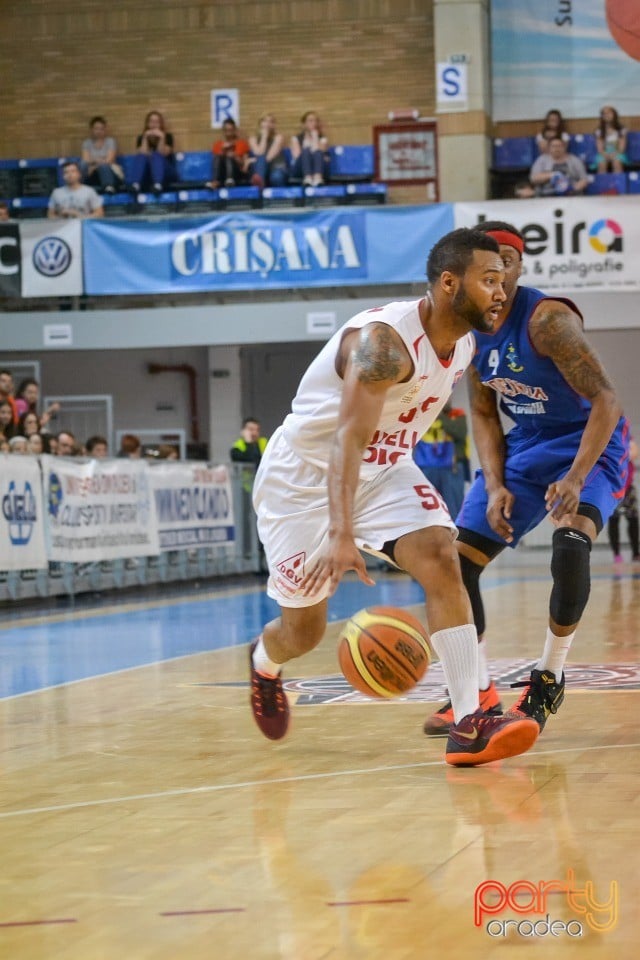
(542, 695)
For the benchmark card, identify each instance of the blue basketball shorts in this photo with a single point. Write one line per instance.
(532, 462)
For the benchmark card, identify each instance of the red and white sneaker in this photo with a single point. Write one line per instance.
(440, 722)
(480, 738)
(268, 702)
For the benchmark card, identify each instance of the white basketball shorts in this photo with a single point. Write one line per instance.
(291, 501)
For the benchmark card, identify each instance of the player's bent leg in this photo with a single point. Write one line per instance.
(296, 631)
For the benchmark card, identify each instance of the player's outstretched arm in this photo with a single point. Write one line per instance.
(489, 439)
(371, 360)
(556, 332)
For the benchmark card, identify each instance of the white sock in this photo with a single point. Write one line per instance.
(555, 653)
(261, 661)
(457, 648)
(483, 667)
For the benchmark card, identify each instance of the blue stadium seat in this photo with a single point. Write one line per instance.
(513, 153)
(607, 183)
(633, 182)
(38, 176)
(351, 163)
(197, 201)
(166, 202)
(25, 207)
(9, 179)
(366, 192)
(118, 204)
(282, 196)
(239, 197)
(126, 162)
(633, 146)
(330, 194)
(583, 145)
(194, 168)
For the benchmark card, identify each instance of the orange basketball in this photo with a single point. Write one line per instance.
(383, 651)
(623, 19)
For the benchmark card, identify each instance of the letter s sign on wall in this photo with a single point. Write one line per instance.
(451, 84)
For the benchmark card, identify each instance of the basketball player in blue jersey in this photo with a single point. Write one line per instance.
(565, 457)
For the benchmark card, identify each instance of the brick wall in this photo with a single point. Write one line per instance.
(351, 60)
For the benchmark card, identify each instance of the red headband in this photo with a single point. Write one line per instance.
(508, 238)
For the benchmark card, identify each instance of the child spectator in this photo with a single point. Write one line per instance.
(230, 158)
(553, 125)
(98, 160)
(309, 152)
(270, 162)
(611, 141)
(97, 447)
(75, 199)
(154, 163)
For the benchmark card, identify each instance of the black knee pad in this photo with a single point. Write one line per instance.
(470, 577)
(570, 569)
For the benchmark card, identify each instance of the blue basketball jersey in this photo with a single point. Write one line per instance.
(532, 391)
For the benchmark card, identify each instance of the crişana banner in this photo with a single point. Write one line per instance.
(569, 55)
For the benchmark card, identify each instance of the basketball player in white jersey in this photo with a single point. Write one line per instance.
(338, 477)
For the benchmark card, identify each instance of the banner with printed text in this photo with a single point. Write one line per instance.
(334, 247)
(22, 537)
(99, 509)
(194, 506)
(51, 258)
(570, 55)
(580, 243)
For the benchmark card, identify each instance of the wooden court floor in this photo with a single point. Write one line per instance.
(143, 816)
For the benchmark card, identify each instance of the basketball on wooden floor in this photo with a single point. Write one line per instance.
(383, 651)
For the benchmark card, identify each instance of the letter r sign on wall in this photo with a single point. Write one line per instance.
(225, 105)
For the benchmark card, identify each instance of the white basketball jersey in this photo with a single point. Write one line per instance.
(409, 408)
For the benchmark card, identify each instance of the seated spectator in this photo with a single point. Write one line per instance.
(66, 444)
(7, 425)
(18, 444)
(553, 125)
(309, 152)
(27, 398)
(98, 160)
(270, 162)
(75, 199)
(5, 212)
(558, 173)
(6, 393)
(37, 443)
(130, 446)
(28, 424)
(154, 164)
(611, 142)
(97, 447)
(230, 158)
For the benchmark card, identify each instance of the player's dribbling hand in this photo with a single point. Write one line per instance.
(563, 497)
(343, 555)
(499, 513)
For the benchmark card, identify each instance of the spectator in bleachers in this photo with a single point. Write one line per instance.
(18, 444)
(97, 447)
(154, 164)
(37, 443)
(309, 152)
(28, 424)
(611, 142)
(168, 451)
(4, 444)
(267, 149)
(66, 444)
(130, 446)
(553, 125)
(5, 213)
(230, 158)
(8, 426)
(558, 172)
(75, 198)
(98, 160)
(6, 394)
(27, 398)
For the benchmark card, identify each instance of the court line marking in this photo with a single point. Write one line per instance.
(219, 787)
(36, 923)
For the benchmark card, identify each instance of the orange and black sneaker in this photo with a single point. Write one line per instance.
(542, 695)
(440, 722)
(268, 702)
(480, 738)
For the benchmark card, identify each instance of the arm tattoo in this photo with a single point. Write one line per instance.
(556, 334)
(377, 355)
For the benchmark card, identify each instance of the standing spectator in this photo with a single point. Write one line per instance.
(250, 445)
(629, 508)
(154, 164)
(268, 153)
(247, 450)
(66, 445)
(558, 172)
(611, 141)
(130, 446)
(6, 393)
(27, 398)
(98, 161)
(309, 151)
(97, 447)
(75, 198)
(230, 158)
(553, 125)
(8, 427)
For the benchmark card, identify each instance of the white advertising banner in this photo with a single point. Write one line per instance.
(22, 542)
(579, 243)
(51, 258)
(194, 506)
(99, 509)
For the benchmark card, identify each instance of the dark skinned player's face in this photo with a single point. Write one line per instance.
(479, 298)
